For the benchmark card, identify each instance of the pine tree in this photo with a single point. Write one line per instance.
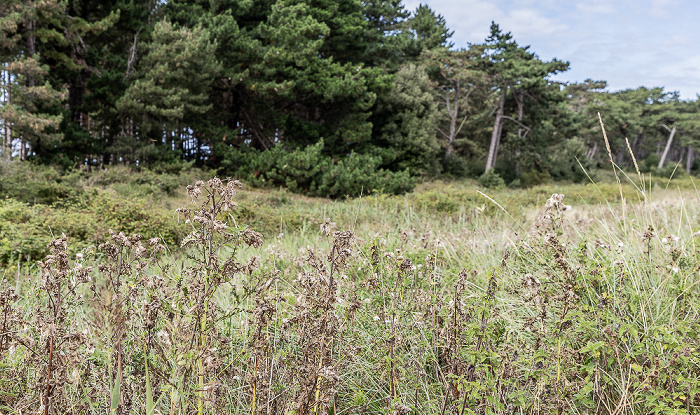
(171, 85)
(30, 112)
(430, 29)
(461, 89)
(515, 73)
(407, 137)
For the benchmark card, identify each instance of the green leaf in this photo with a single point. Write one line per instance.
(593, 348)
(150, 408)
(116, 392)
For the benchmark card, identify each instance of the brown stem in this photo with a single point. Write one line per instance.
(4, 329)
(464, 404)
(48, 377)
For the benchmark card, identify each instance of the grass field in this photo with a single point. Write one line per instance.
(448, 300)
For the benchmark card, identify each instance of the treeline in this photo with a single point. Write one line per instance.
(325, 97)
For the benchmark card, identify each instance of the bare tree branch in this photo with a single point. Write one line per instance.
(132, 55)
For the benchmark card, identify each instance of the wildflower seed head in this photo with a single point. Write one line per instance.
(327, 226)
(252, 238)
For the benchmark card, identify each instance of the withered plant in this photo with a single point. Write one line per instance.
(209, 237)
(53, 341)
(119, 317)
(570, 322)
(11, 322)
(315, 374)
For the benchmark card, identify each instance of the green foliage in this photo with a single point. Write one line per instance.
(172, 81)
(456, 166)
(42, 201)
(650, 163)
(140, 182)
(545, 309)
(533, 178)
(30, 183)
(430, 28)
(312, 172)
(491, 180)
(30, 111)
(168, 85)
(24, 228)
(22, 236)
(568, 161)
(358, 174)
(407, 130)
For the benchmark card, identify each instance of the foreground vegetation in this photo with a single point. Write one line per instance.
(446, 300)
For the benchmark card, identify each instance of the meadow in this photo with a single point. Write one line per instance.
(130, 291)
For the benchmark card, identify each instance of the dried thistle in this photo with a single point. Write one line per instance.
(317, 327)
(57, 340)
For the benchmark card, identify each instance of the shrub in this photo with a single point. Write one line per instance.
(491, 180)
(32, 184)
(455, 166)
(563, 162)
(140, 182)
(650, 163)
(310, 171)
(359, 174)
(86, 219)
(22, 236)
(670, 169)
(533, 178)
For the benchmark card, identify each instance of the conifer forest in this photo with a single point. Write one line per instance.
(317, 96)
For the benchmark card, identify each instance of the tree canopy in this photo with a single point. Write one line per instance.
(357, 89)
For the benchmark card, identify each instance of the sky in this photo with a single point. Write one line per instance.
(628, 43)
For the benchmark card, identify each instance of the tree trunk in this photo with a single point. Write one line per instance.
(620, 158)
(521, 108)
(635, 143)
(7, 136)
(453, 119)
(198, 150)
(31, 82)
(690, 158)
(668, 147)
(592, 151)
(75, 100)
(496, 134)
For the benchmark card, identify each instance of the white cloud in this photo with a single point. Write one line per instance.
(595, 7)
(527, 22)
(678, 75)
(471, 19)
(625, 42)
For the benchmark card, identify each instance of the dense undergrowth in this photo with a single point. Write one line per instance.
(441, 301)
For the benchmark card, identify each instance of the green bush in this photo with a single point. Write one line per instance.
(311, 172)
(491, 180)
(86, 219)
(22, 236)
(456, 166)
(30, 183)
(670, 169)
(360, 174)
(566, 160)
(131, 181)
(534, 178)
(650, 163)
